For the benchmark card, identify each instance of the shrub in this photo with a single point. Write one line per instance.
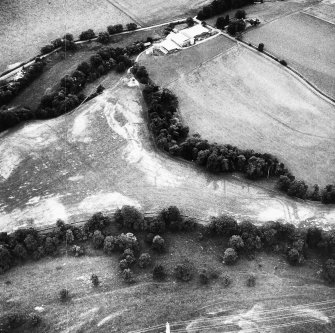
(230, 256)
(31, 243)
(226, 280)
(98, 239)
(172, 218)
(158, 273)
(144, 260)
(69, 238)
(223, 225)
(127, 241)
(68, 37)
(204, 277)
(294, 257)
(130, 217)
(123, 264)
(260, 47)
(190, 21)
(6, 260)
(251, 280)
(78, 250)
(283, 62)
(20, 252)
(235, 27)
(113, 29)
(183, 272)
(95, 280)
(329, 270)
(120, 67)
(47, 49)
(149, 238)
(236, 242)
(129, 256)
(128, 276)
(58, 42)
(240, 14)
(97, 222)
(221, 22)
(64, 295)
(88, 34)
(131, 26)
(158, 243)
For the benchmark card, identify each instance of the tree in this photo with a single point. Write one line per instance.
(6, 260)
(127, 275)
(77, 251)
(230, 256)
(113, 29)
(190, 22)
(260, 47)
(110, 244)
(31, 243)
(95, 280)
(144, 260)
(131, 26)
(129, 256)
(158, 243)
(97, 222)
(20, 252)
(127, 241)
(49, 246)
(120, 67)
(98, 239)
(329, 270)
(88, 34)
(69, 238)
(240, 14)
(130, 217)
(204, 277)
(236, 242)
(226, 280)
(84, 67)
(68, 37)
(96, 61)
(183, 272)
(256, 167)
(236, 26)
(47, 49)
(172, 218)
(64, 295)
(123, 264)
(103, 37)
(224, 225)
(294, 257)
(158, 273)
(298, 189)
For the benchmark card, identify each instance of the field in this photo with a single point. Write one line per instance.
(244, 99)
(305, 42)
(100, 157)
(286, 299)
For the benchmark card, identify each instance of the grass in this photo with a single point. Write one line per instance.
(244, 99)
(305, 42)
(115, 306)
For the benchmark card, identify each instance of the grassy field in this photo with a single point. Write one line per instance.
(305, 42)
(324, 11)
(244, 99)
(100, 157)
(27, 25)
(286, 299)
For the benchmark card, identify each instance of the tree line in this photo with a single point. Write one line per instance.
(172, 137)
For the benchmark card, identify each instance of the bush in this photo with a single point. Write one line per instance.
(236, 242)
(129, 217)
(77, 251)
(88, 34)
(283, 62)
(95, 280)
(98, 239)
(260, 47)
(235, 27)
(251, 280)
(329, 270)
(64, 295)
(226, 280)
(97, 222)
(294, 257)
(172, 218)
(183, 272)
(204, 277)
(223, 225)
(144, 260)
(113, 29)
(158, 273)
(20, 252)
(158, 243)
(68, 37)
(6, 260)
(47, 49)
(129, 256)
(31, 243)
(131, 26)
(127, 241)
(69, 238)
(149, 238)
(128, 276)
(190, 22)
(123, 264)
(240, 14)
(230, 256)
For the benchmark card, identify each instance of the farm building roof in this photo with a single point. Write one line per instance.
(195, 31)
(169, 45)
(178, 38)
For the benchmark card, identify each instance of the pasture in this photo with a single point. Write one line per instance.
(307, 44)
(285, 299)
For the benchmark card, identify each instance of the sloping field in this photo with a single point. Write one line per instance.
(307, 44)
(244, 99)
(26, 25)
(324, 11)
(100, 157)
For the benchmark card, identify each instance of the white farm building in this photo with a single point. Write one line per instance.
(196, 32)
(179, 38)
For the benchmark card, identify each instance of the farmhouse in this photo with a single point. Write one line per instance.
(168, 46)
(196, 32)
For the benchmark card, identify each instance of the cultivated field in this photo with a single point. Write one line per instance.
(26, 25)
(100, 157)
(307, 44)
(285, 299)
(244, 99)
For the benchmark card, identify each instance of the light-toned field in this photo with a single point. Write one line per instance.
(324, 11)
(100, 157)
(27, 25)
(286, 299)
(244, 99)
(307, 44)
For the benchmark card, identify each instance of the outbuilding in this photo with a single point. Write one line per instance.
(179, 38)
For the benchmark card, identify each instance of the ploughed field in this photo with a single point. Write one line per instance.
(100, 157)
(285, 299)
(244, 99)
(306, 42)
